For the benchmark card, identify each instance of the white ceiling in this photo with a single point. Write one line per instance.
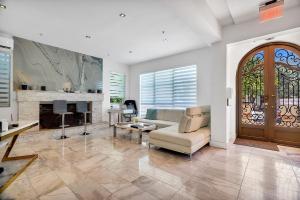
(188, 24)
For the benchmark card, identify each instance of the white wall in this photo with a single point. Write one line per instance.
(5, 112)
(212, 64)
(180, 60)
(236, 51)
(111, 66)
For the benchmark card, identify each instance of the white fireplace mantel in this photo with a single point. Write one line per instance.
(29, 102)
(32, 95)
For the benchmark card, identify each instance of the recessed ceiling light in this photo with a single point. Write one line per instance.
(41, 34)
(88, 37)
(122, 15)
(130, 52)
(163, 32)
(2, 6)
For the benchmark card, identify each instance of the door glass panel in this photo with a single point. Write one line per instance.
(287, 84)
(252, 88)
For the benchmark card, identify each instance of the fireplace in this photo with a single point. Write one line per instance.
(31, 103)
(49, 120)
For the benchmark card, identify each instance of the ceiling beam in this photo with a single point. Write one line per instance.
(198, 15)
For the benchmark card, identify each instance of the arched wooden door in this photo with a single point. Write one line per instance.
(268, 94)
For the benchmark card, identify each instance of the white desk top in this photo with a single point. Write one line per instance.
(120, 110)
(22, 125)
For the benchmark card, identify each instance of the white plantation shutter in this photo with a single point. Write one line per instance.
(147, 85)
(4, 78)
(173, 88)
(117, 85)
(164, 89)
(185, 87)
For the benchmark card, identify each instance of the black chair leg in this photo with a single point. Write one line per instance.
(85, 126)
(63, 135)
(1, 169)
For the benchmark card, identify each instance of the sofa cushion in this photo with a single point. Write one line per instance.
(171, 134)
(173, 115)
(159, 123)
(189, 124)
(204, 120)
(151, 114)
(177, 147)
(193, 124)
(183, 123)
(199, 110)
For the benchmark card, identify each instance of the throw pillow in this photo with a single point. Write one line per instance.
(151, 114)
(193, 124)
(190, 124)
(204, 120)
(183, 123)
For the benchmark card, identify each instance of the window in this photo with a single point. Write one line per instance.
(4, 78)
(117, 87)
(172, 88)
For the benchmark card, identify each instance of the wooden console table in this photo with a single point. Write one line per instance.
(10, 174)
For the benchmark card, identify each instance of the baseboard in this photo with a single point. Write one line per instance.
(218, 144)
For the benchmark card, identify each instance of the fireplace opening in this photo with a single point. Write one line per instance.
(49, 120)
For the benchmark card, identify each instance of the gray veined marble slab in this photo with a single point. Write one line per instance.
(38, 64)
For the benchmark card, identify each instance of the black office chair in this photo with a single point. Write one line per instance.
(130, 104)
(82, 107)
(60, 108)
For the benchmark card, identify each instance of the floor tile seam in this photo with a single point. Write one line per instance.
(113, 193)
(182, 185)
(150, 194)
(295, 174)
(31, 186)
(75, 193)
(177, 191)
(50, 191)
(287, 160)
(238, 196)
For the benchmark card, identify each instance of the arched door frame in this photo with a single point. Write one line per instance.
(240, 66)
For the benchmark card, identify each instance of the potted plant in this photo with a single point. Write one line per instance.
(115, 102)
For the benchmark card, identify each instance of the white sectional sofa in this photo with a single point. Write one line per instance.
(166, 117)
(181, 130)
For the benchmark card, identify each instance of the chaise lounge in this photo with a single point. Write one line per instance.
(186, 135)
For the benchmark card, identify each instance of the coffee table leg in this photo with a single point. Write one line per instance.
(115, 131)
(140, 136)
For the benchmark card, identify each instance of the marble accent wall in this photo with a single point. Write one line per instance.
(38, 65)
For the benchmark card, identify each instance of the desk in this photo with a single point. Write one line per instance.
(120, 113)
(112, 111)
(9, 161)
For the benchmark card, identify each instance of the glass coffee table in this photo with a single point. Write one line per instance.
(135, 127)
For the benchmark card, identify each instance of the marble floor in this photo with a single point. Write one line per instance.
(101, 167)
